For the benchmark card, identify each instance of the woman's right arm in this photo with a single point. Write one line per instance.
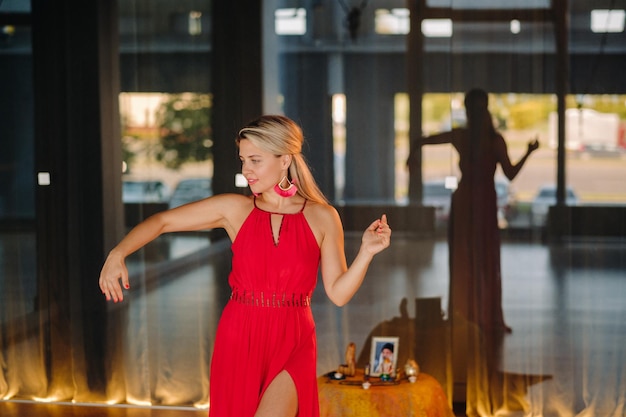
(436, 139)
(210, 213)
(450, 136)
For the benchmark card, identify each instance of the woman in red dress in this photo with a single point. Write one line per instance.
(280, 237)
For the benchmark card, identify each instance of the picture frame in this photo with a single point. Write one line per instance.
(384, 363)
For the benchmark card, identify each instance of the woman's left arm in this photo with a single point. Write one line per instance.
(340, 281)
(510, 170)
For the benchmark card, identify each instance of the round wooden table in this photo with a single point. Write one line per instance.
(347, 398)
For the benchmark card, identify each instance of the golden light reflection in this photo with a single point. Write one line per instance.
(139, 402)
(202, 405)
(46, 400)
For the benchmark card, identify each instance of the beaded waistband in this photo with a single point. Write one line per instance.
(272, 299)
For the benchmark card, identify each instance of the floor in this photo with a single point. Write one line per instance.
(565, 303)
(28, 409)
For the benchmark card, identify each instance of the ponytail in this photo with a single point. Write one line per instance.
(307, 187)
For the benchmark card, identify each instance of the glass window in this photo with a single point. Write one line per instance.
(165, 105)
(166, 139)
(17, 184)
(490, 4)
(392, 22)
(15, 6)
(595, 145)
(607, 21)
(167, 151)
(437, 28)
(290, 21)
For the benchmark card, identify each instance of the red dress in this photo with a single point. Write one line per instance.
(267, 326)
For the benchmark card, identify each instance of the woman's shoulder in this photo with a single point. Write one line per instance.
(322, 218)
(322, 210)
(232, 210)
(499, 139)
(320, 215)
(228, 204)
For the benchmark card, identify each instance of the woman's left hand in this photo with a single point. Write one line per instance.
(533, 146)
(377, 236)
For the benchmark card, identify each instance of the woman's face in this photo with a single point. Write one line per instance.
(263, 170)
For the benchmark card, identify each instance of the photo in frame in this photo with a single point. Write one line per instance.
(384, 356)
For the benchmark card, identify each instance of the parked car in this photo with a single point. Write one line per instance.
(190, 189)
(546, 197)
(144, 191)
(506, 202)
(437, 195)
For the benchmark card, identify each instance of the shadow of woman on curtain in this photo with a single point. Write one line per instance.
(475, 302)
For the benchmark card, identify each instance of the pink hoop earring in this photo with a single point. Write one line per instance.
(286, 191)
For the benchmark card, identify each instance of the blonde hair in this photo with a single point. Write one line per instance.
(280, 135)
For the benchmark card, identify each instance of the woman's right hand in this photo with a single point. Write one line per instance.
(113, 271)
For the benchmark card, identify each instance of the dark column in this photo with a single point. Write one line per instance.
(236, 84)
(560, 221)
(77, 142)
(370, 134)
(415, 88)
(311, 107)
